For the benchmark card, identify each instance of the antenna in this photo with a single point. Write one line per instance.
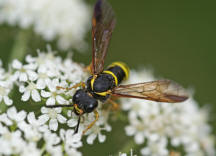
(77, 126)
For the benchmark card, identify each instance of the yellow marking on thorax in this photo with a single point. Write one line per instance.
(103, 93)
(123, 66)
(92, 81)
(113, 75)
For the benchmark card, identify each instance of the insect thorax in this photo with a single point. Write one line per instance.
(101, 85)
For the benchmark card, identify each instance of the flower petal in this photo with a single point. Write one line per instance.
(60, 99)
(21, 116)
(7, 100)
(61, 118)
(53, 124)
(45, 94)
(16, 64)
(40, 84)
(35, 95)
(101, 138)
(50, 101)
(23, 77)
(139, 138)
(44, 110)
(43, 119)
(11, 112)
(72, 122)
(91, 138)
(26, 95)
(32, 75)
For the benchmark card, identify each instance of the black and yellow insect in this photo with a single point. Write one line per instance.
(105, 83)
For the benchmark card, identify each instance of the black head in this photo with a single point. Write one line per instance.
(84, 101)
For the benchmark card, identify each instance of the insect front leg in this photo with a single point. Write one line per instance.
(55, 106)
(92, 123)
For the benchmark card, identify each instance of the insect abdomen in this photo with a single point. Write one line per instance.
(118, 70)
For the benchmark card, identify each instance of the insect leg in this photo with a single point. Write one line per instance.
(55, 106)
(115, 106)
(89, 68)
(91, 124)
(75, 86)
(173, 153)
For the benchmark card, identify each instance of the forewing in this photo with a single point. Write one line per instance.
(161, 91)
(103, 23)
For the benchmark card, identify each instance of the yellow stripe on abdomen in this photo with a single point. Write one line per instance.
(123, 66)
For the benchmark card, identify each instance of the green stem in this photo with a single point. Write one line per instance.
(43, 149)
(20, 45)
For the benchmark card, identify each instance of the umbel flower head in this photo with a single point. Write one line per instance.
(156, 125)
(28, 127)
(45, 130)
(64, 20)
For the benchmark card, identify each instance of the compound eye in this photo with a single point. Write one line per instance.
(91, 106)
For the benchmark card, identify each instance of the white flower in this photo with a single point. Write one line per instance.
(30, 90)
(51, 138)
(156, 148)
(73, 71)
(31, 133)
(6, 85)
(43, 78)
(24, 72)
(4, 118)
(53, 94)
(33, 129)
(16, 116)
(100, 125)
(54, 150)
(73, 121)
(67, 20)
(4, 91)
(72, 151)
(53, 115)
(137, 128)
(10, 142)
(37, 124)
(31, 149)
(70, 139)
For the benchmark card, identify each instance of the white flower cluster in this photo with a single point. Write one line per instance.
(66, 20)
(159, 125)
(6, 85)
(46, 130)
(21, 133)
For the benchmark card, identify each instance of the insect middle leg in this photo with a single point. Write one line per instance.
(173, 153)
(74, 86)
(92, 123)
(115, 105)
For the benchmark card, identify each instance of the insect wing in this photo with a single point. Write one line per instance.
(103, 23)
(161, 91)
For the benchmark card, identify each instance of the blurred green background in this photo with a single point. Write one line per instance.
(176, 39)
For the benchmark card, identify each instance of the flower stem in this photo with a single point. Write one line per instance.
(20, 45)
